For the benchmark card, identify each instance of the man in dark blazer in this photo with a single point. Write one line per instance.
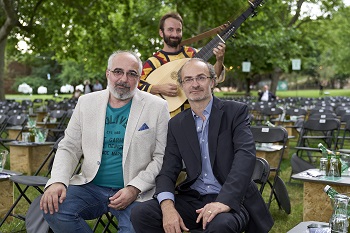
(212, 141)
(266, 95)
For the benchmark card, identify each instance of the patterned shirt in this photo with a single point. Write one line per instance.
(160, 58)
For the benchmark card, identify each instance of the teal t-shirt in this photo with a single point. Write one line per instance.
(110, 173)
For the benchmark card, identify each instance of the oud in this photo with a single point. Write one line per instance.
(167, 73)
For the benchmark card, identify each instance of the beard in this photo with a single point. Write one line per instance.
(172, 41)
(121, 90)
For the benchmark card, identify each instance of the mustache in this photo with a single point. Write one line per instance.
(116, 84)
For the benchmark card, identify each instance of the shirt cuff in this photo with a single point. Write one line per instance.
(165, 196)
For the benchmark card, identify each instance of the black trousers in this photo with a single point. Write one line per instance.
(147, 216)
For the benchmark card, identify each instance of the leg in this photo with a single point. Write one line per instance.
(231, 222)
(147, 216)
(123, 216)
(83, 202)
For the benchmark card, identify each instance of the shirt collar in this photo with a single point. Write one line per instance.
(206, 111)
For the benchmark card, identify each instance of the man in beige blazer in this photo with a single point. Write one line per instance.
(121, 134)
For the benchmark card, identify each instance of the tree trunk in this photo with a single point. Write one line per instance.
(239, 85)
(275, 77)
(2, 68)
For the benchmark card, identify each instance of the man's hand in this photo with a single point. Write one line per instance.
(168, 89)
(209, 211)
(53, 194)
(123, 198)
(219, 52)
(172, 221)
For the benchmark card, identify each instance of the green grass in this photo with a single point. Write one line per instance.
(293, 93)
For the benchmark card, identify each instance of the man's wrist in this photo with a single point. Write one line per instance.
(133, 189)
(166, 204)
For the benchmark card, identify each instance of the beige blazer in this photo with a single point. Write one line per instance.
(143, 150)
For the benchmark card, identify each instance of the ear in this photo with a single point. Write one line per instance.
(107, 73)
(212, 83)
(161, 34)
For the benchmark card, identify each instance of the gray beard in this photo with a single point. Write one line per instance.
(120, 95)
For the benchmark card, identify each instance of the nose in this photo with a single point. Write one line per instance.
(124, 77)
(195, 82)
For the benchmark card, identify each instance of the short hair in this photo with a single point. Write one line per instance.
(110, 59)
(211, 69)
(174, 15)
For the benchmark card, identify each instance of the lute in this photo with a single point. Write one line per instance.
(167, 73)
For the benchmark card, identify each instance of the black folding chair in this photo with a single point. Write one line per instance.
(55, 133)
(264, 134)
(36, 181)
(270, 114)
(313, 132)
(59, 116)
(106, 221)
(14, 120)
(261, 173)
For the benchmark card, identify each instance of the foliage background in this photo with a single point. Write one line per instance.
(72, 40)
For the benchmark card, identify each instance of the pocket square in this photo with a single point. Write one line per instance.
(144, 127)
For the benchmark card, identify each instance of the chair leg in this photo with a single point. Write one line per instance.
(9, 212)
(105, 225)
(21, 194)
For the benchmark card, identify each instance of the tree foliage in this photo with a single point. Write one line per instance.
(80, 35)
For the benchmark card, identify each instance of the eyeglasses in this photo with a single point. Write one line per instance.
(118, 73)
(199, 79)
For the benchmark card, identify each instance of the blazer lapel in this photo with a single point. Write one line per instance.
(100, 114)
(191, 134)
(134, 117)
(214, 126)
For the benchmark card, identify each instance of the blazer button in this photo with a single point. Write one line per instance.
(98, 162)
(86, 181)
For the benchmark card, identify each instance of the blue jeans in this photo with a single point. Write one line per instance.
(86, 202)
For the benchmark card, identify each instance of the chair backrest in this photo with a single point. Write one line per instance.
(14, 112)
(323, 115)
(322, 110)
(17, 120)
(296, 112)
(261, 172)
(321, 124)
(320, 129)
(265, 134)
(271, 112)
(58, 114)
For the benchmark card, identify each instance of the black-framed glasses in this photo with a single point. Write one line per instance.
(118, 73)
(199, 79)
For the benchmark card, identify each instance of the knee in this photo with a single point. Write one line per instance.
(139, 212)
(222, 225)
(228, 223)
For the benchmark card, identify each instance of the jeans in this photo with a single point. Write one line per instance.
(86, 202)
